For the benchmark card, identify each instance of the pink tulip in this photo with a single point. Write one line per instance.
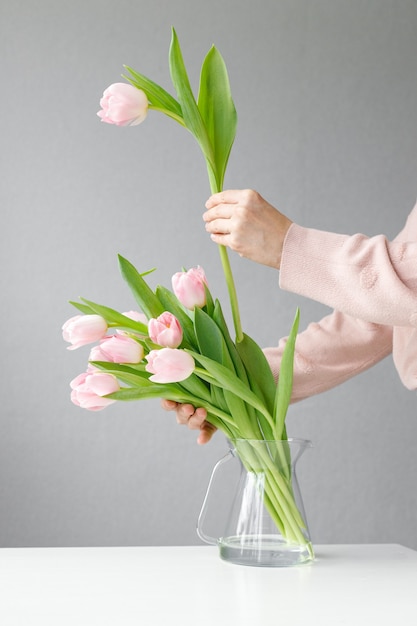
(189, 287)
(169, 365)
(117, 349)
(89, 388)
(123, 104)
(136, 316)
(83, 329)
(165, 330)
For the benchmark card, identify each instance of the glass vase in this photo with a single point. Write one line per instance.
(266, 523)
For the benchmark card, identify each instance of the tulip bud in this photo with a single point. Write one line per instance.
(165, 330)
(117, 349)
(123, 105)
(189, 287)
(83, 329)
(169, 365)
(136, 316)
(89, 388)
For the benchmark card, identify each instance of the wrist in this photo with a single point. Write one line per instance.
(285, 227)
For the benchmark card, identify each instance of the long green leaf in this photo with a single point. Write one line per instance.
(223, 377)
(218, 317)
(143, 294)
(129, 375)
(190, 111)
(173, 392)
(112, 317)
(285, 379)
(260, 378)
(209, 306)
(217, 109)
(84, 308)
(147, 393)
(217, 397)
(196, 387)
(259, 373)
(155, 93)
(210, 339)
(113, 368)
(234, 354)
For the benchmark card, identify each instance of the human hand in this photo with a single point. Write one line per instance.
(194, 418)
(247, 224)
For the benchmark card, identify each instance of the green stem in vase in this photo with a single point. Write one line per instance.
(278, 495)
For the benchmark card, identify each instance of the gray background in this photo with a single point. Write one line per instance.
(326, 93)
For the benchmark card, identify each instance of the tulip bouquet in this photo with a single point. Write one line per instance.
(177, 345)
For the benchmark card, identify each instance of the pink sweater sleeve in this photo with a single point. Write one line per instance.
(331, 351)
(370, 283)
(366, 277)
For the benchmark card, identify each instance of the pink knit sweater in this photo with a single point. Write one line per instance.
(371, 284)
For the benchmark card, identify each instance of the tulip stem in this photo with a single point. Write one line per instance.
(227, 270)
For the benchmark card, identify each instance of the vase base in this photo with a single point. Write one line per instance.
(264, 551)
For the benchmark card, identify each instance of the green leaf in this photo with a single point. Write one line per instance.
(217, 397)
(235, 356)
(241, 412)
(285, 379)
(190, 111)
(196, 387)
(216, 416)
(137, 369)
(218, 317)
(156, 95)
(261, 379)
(209, 306)
(210, 339)
(112, 317)
(145, 393)
(143, 294)
(217, 109)
(84, 308)
(129, 375)
(223, 377)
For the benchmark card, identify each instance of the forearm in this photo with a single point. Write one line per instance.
(331, 351)
(368, 278)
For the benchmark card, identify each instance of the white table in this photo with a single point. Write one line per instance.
(157, 586)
